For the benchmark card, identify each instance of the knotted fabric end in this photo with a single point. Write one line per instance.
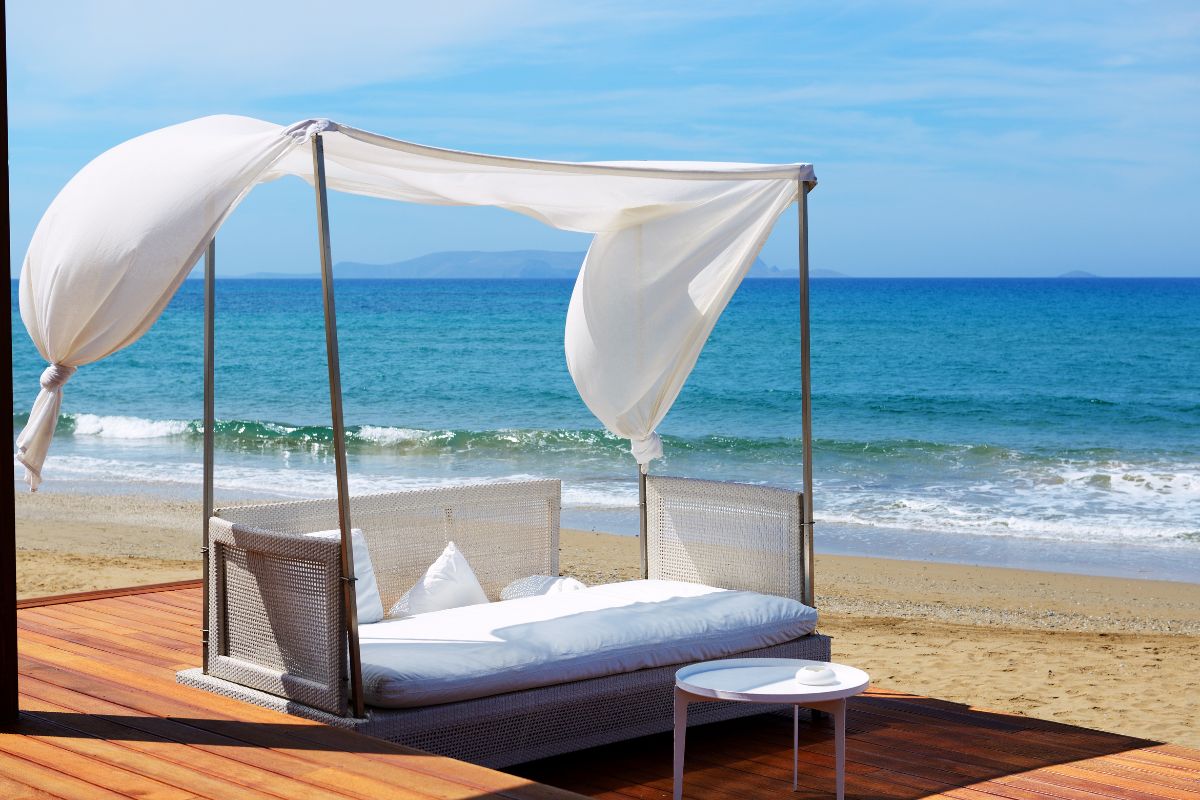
(646, 450)
(34, 441)
(55, 375)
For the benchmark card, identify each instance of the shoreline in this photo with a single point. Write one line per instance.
(1131, 560)
(1060, 646)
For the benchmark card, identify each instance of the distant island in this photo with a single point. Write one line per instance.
(471, 264)
(776, 272)
(1078, 273)
(507, 264)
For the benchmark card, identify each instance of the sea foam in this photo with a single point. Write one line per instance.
(118, 427)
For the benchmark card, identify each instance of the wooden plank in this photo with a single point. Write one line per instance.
(149, 603)
(113, 642)
(130, 618)
(84, 617)
(989, 790)
(101, 635)
(52, 779)
(1179, 752)
(102, 646)
(11, 789)
(1152, 759)
(98, 594)
(185, 598)
(996, 754)
(1068, 785)
(160, 602)
(1037, 742)
(1167, 777)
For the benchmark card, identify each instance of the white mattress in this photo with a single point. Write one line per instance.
(481, 650)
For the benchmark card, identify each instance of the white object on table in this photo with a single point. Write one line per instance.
(816, 675)
(770, 681)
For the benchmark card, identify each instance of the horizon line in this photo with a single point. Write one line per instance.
(279, 276)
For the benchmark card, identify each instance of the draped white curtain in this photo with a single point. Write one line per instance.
(673, 240)
(117, 241)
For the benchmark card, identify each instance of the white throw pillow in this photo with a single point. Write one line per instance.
(448, 583)
(366, 590)
(536, 585)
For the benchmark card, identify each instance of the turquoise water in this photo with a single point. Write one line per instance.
(1045, 423)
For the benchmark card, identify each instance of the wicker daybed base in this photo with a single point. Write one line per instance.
(512, 728)
(277, 635)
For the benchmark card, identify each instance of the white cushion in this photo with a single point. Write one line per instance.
(366, 590)
(448, 583)
(461, 653)
(536, 585)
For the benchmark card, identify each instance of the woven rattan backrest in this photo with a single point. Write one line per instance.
(731, 535)
(506, 530)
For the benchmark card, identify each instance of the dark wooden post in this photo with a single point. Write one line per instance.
(9, 710)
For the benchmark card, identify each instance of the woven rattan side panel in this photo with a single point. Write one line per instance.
(731, 535)
(275, 614)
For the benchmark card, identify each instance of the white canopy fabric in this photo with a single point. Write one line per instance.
(672, 242)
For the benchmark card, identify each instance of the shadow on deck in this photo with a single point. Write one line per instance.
(899, 746)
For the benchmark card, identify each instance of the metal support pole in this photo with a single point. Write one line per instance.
(210, 279)
(642, 542)
(10, 710)
(349, 601)
(806, 519)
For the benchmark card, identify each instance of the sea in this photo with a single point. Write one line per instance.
(1044, 423)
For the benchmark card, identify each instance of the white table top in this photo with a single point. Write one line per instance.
(767, 680)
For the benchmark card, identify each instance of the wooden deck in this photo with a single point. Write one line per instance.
(104, 718)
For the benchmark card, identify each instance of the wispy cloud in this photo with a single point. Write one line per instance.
(970, 108)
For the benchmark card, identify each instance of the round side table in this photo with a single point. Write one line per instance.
(770, 681)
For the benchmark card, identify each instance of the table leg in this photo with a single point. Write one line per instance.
(839, 725)
(681, 705)
(837, 710)
(795, 747)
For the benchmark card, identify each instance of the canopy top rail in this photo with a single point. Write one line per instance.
(625, 169)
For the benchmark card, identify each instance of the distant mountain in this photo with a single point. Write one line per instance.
(456, 265)
(462, 264)
(1078, 273)
(509, 264)
(762, 270)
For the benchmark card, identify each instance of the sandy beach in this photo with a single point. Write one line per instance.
(1070, 648)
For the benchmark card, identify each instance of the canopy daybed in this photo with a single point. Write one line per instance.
(727, 569)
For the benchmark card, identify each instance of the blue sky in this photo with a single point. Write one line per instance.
(982, 138)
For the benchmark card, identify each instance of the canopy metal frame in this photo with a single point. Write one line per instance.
(349, 602)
